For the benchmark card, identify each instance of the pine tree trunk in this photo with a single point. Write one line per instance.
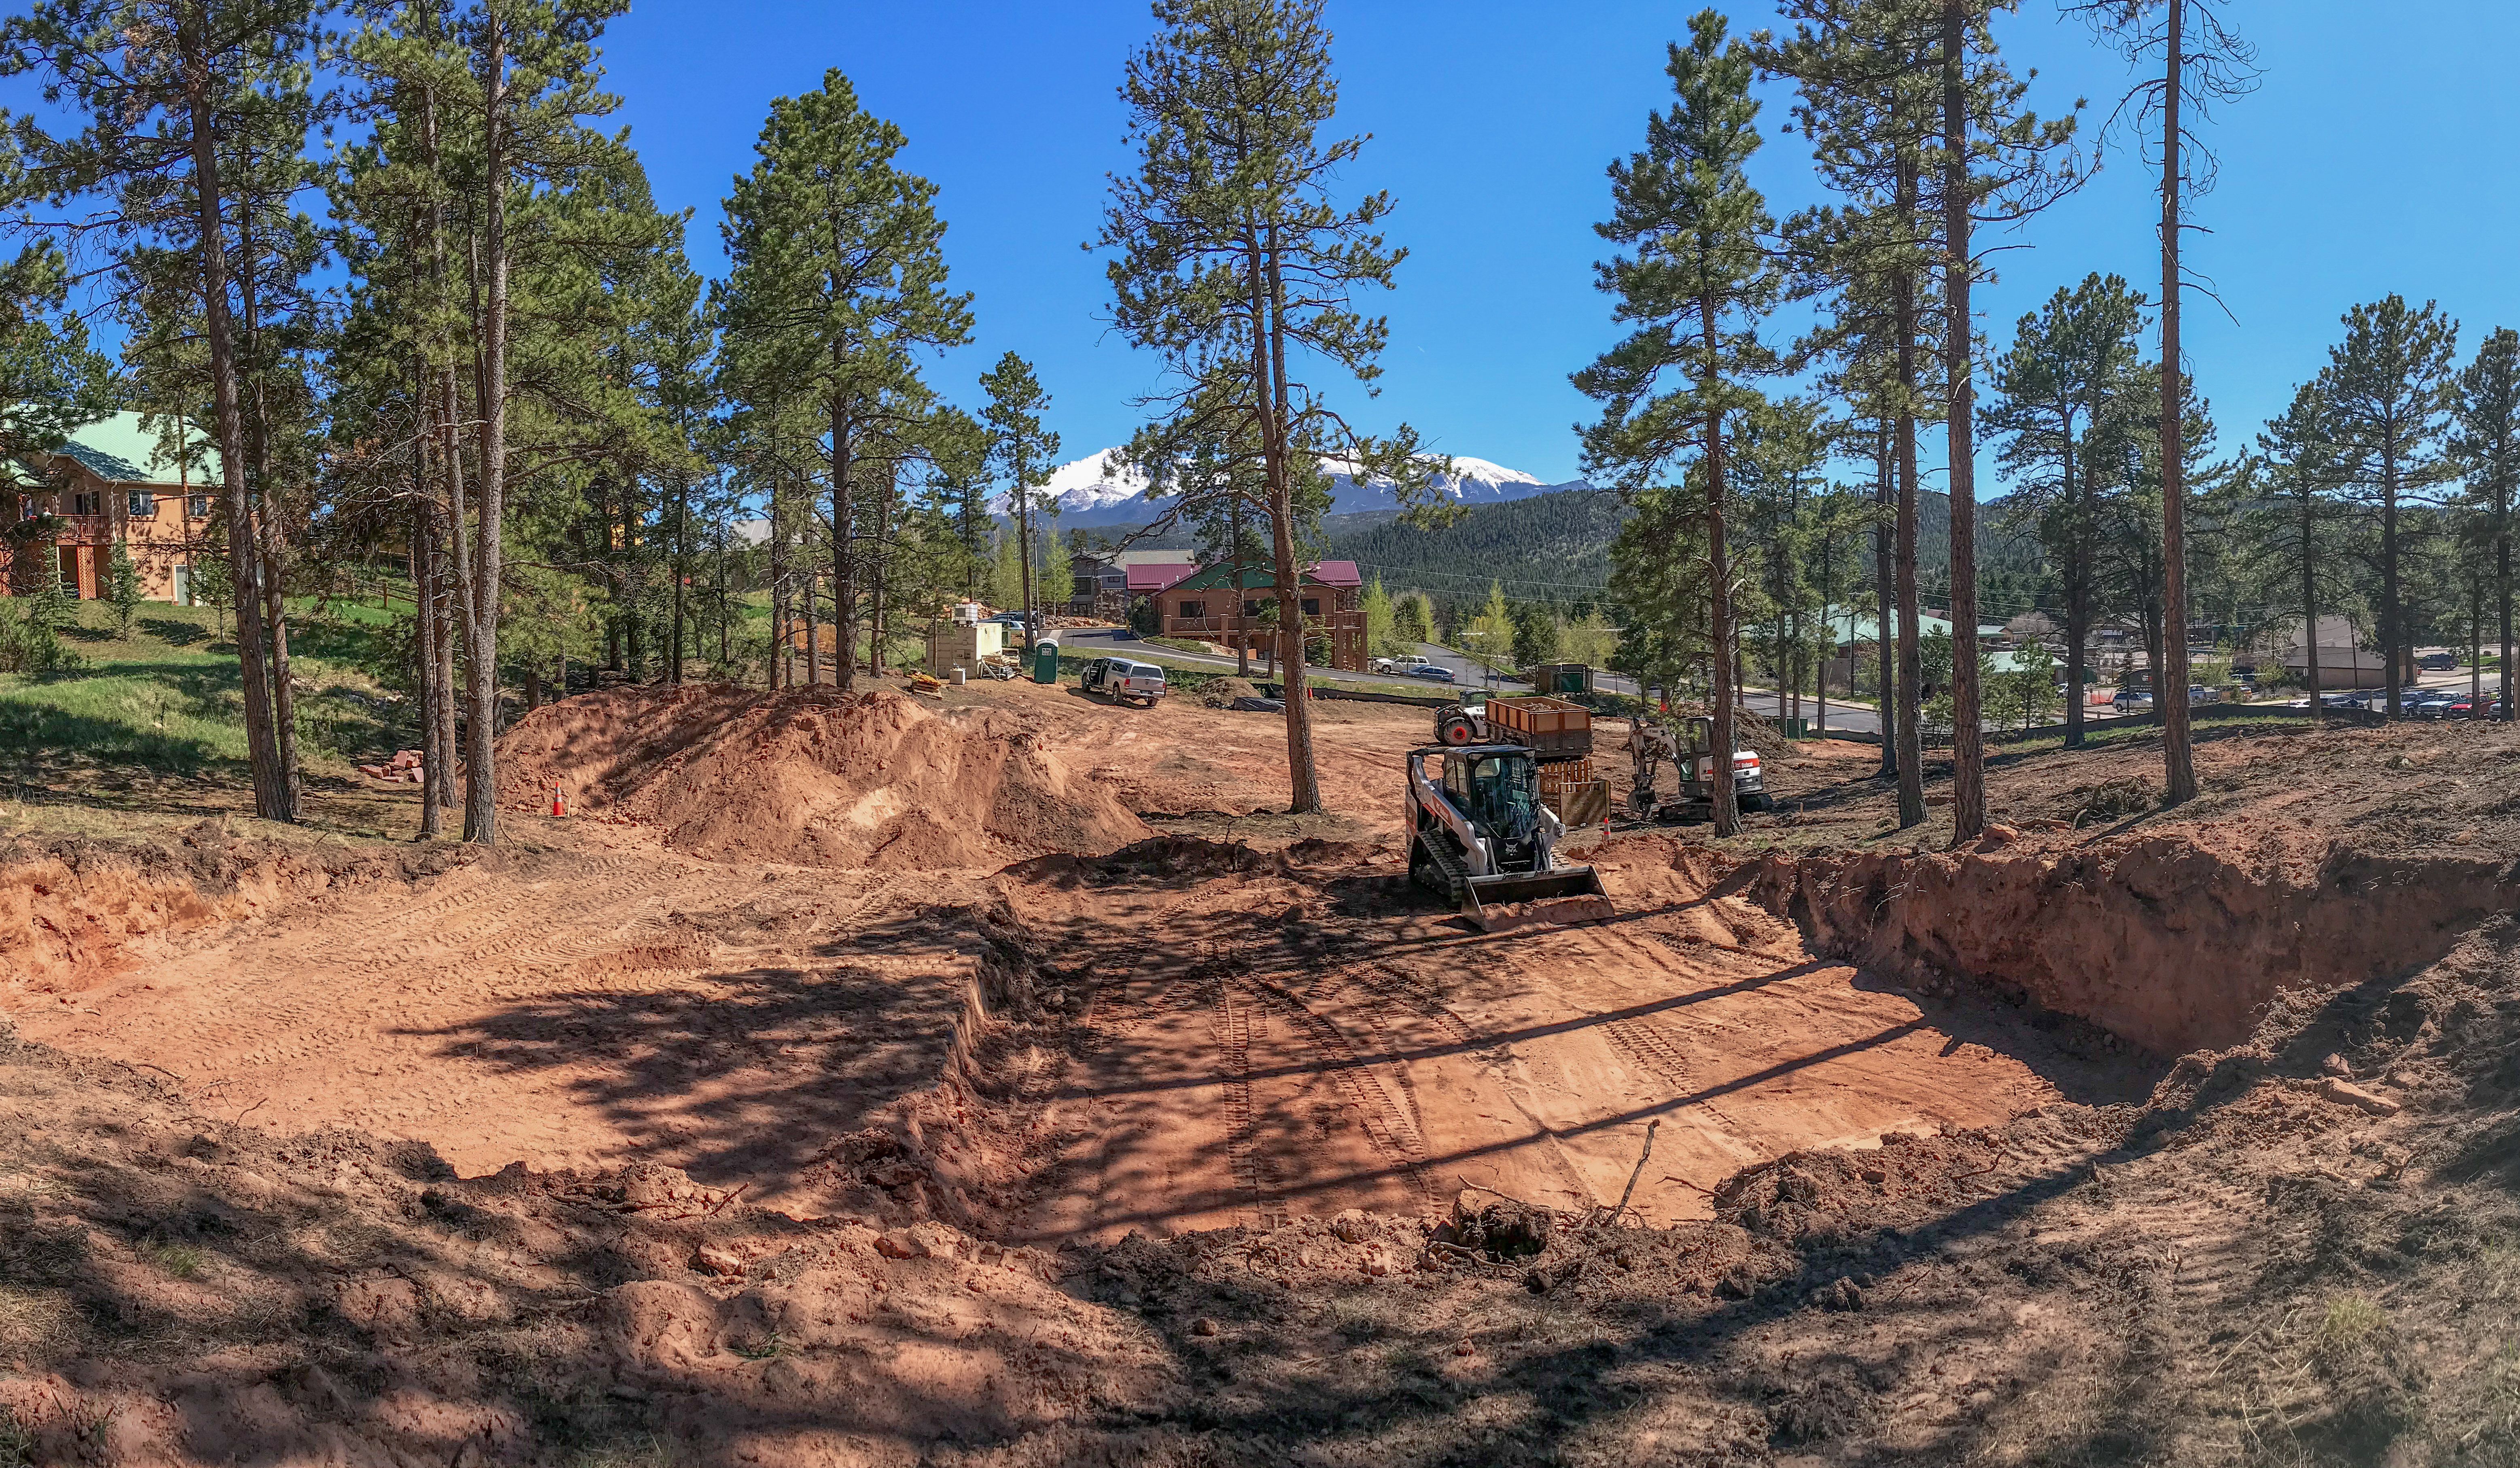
(2502, 605)
(813, 630)
(481, 614)
(2078, 600)
(881, 569)
(681, 575)
(1270, 293)
(271, 789)
(1968, 748)
(1910, 714)
(424, 651)
(779, 675)
(2310, 603)
(844, 586)
(441, 526)
(2390, 612)
(2177, 761)
(1885, 699)
(1725, 811)
(257, 423)
(2476, 647)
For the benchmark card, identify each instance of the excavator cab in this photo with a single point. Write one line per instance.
(1687, 744)
(1480, 837)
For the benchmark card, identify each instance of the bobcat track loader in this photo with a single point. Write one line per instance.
(1480, 839)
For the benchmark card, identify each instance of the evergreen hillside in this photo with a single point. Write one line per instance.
(1552, 547)
(1556, 547)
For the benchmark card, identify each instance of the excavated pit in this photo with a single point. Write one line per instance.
(2176, 940)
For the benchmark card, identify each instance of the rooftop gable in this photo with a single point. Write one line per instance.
(121, 451)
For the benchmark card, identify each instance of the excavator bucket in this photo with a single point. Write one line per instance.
(1533, 899)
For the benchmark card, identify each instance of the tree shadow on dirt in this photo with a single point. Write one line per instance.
(1282, 1031)
(1935, 1355)
(174, 1288)
(741, 1074)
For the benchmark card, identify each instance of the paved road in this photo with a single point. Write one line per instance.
(1119, 640)
(1468, 675)
(1471, 675)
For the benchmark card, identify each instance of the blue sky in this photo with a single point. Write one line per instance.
(2376, 156)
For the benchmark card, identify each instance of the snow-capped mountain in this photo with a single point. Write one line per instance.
(1101, 489)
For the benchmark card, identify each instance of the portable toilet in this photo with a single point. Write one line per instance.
(1045, 662)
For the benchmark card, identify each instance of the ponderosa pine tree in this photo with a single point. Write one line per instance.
(2486, 447)
(2054, 389)
(1022, 455)
(1236, 264)
(836, 286)
(1696, 280)
(155, 85)
(2389, 388)
(1996, 164)
(2201, 63)
(2287, 523)
(1868, 85)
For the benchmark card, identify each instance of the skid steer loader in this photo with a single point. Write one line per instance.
(1480, 839)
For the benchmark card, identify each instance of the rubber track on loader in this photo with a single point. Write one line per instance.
(1456, 876)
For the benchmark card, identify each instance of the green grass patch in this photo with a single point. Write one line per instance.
(166, 697)
(181, 1260)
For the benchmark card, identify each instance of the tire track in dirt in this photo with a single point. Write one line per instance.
(1647, 1050)
(1232, 1031)
(1388, 1127)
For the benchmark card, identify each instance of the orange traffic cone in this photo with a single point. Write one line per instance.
(560, 807)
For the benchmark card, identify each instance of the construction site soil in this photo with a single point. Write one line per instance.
(1009, 1081)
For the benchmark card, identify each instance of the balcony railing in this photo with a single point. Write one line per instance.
(86, 529)
(1335, 621)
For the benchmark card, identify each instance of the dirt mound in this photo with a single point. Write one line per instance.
(813, 776)
(1221, 692)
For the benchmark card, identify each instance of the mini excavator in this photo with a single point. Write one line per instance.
(1689, 749)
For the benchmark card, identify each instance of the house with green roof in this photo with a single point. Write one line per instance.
(1235, 605)
(114, 480)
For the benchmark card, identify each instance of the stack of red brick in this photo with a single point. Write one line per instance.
(402, 768)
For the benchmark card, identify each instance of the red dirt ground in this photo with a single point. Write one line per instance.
(1216, 1046)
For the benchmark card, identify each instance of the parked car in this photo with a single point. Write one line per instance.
(2129, 699)
(1431, 672)
(2438, 662)
(1124, 680)
(1405, 664)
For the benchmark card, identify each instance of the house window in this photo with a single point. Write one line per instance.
(1252, 608)
(1193, 610)
(197, 506)
(1312, 606)
(144, 504)
(87, 502)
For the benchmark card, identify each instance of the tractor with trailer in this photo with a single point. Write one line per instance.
(1688, 745)
(1480, 837)
(1555, 729)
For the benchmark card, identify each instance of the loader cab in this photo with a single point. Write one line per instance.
(1498, 786)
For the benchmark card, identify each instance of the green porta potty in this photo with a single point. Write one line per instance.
(1045, 662)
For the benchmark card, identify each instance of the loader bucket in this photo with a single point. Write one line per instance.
(1567, 894)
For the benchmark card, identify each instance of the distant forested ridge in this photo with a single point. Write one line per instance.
(1549, 547)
